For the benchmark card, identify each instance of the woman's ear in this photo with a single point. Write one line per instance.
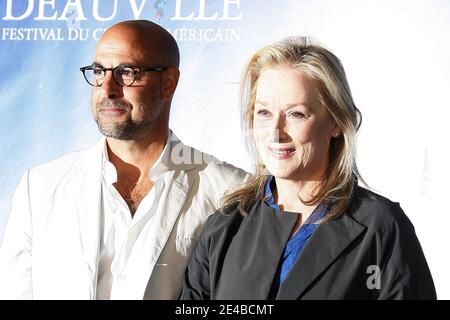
(334, 129)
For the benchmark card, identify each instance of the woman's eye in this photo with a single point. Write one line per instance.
(263, 113)
(297, 115)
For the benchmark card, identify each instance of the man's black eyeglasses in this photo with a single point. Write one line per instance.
(122, 74)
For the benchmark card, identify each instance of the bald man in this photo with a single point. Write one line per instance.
(118, 220)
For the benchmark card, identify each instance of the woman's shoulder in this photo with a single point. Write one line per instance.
(372, 199)
(374, 210)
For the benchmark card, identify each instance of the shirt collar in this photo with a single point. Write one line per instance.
(162, 165)
(268, 193)
(319, 212)
(109, 171)
(159, 167)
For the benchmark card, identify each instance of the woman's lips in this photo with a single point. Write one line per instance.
(282, 153)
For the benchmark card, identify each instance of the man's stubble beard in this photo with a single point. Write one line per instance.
(129, 129)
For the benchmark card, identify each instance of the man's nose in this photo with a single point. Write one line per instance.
(110, 87)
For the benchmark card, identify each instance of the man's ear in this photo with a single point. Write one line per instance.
(170, 81)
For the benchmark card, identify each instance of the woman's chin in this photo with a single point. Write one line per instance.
(283, 174)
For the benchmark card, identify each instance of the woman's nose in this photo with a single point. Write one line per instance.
(279, 129)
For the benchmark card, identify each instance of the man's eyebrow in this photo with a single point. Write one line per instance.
(127, 64)
(124, 64)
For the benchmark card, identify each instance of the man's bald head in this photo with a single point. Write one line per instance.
(153, 42)
(141, 110)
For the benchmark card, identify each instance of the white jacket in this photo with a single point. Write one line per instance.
(50, 247)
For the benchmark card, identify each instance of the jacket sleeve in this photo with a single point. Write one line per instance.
(196, 285)
(15, 251)
(404, 269)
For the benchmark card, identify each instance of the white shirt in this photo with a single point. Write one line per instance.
(124, 254)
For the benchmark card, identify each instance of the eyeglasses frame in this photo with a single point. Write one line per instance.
(135, 69)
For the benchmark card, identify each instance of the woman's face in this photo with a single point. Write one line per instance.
(292, 129)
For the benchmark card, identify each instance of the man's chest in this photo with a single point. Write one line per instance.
(133, 194)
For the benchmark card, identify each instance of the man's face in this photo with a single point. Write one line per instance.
(126, 113)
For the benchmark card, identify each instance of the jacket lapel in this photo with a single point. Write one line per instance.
(177, 186)
(262, 238)
(322, 249)
(87, 203)
(173, 199)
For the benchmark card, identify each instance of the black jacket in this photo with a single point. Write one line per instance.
(370, 252)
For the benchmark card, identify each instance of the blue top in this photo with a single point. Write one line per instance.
(295, 245)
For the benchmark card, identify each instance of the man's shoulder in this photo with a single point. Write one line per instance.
(211, 168)
(64, 163)
(214, 164)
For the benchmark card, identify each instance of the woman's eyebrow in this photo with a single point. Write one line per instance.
(265, 104)
(289, 105)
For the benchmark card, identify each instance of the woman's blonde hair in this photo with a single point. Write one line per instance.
(301, 53)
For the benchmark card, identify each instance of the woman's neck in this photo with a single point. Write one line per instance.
(289, 195)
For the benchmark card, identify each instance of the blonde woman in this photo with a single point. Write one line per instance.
(302, 228)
